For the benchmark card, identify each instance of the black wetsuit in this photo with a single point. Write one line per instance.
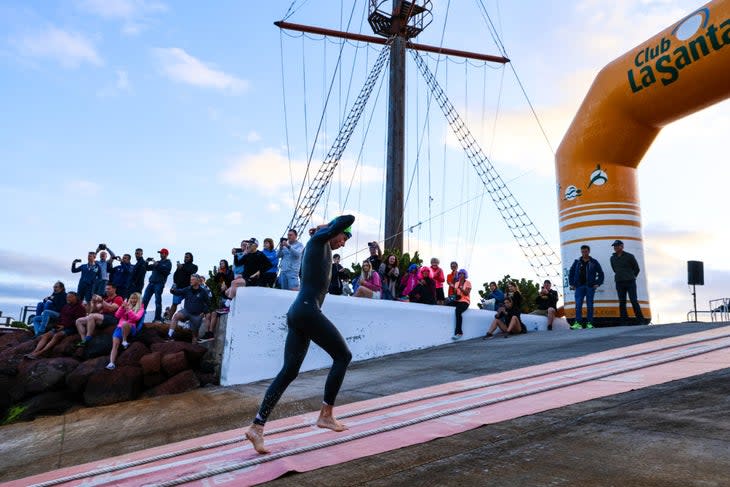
(307, 323)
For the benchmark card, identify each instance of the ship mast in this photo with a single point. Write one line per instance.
(405, 21)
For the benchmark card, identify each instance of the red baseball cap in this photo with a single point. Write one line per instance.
(163, 251)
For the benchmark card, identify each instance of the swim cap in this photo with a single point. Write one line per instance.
(462, 271)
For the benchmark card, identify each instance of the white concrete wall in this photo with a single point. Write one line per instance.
(256, 330)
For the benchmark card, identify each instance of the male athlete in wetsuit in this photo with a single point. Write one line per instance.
(307, 323)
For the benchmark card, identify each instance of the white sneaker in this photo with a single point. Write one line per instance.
(111, 366)
(125, 345)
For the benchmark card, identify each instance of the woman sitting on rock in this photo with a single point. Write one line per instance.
(370, 285)
(130, 316)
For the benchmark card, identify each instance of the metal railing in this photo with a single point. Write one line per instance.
(719, 311)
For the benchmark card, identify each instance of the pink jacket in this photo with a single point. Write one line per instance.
(129, 316)
(373, 283)
(437, 275)
(408, 282)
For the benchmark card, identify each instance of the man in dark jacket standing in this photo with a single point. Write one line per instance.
(196, 302)
(626, 269)
(138, 273)
(181, 278)
(122, 276)
(160, 270)
(255, 264)
(584, 277)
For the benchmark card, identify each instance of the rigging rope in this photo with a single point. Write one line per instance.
(540, 255)
(306, 205)
(503, 51)
(286, 117)
(321, 120)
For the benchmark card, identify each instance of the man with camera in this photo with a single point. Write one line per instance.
(105, 267)
(89, 272)
(122, 276)
(290, 255)
(376, 256)
(255, 264)
(238, 254)
(546, 303)
(160, 270)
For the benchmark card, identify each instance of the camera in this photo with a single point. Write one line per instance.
(239, 249)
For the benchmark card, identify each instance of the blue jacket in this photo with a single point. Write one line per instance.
(160, 270)
(88, 272)
(273, 257)
(594, 273)
(122, 276)
(291, 257)
(196, 301)
(498, 297)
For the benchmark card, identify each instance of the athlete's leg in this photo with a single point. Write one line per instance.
(297, 343)
(327, 336)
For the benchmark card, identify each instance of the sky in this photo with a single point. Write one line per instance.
(144, 123)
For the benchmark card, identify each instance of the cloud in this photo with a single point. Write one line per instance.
(27, 265)
(133, 13)
(172, 227)
(233, 218)
(122, 9)
(120, 85)
(181, 67)
(269, 171)
(253, 136)
(69, 49)
(82, 186)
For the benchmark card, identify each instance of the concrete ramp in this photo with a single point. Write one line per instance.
(408, 418)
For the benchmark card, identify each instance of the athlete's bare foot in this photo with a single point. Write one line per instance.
(255, 434)
(327, 420)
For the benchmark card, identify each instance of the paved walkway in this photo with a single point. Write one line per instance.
(70, 439)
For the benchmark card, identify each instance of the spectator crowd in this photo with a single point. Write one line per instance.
(111, 291)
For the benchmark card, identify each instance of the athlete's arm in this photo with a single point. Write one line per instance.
(333, 228)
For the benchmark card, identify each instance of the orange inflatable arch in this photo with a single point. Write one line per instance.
(677, 72)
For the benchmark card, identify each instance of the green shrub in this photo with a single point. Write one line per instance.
(528, 289)
(404, 261)
(14, 414)
(20, 324)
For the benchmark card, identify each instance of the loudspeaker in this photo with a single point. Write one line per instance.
(695, 272)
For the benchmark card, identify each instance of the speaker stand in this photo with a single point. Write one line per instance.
(694, 299)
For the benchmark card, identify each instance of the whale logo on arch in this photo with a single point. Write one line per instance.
(598, 177)
(689, 25)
